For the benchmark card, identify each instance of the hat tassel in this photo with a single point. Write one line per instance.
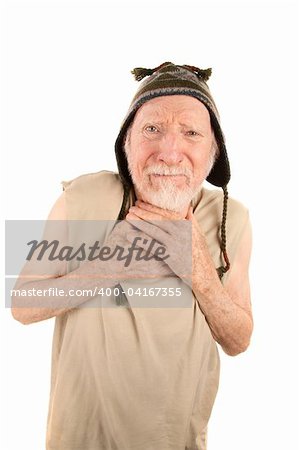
(203, 74)
(141, 72)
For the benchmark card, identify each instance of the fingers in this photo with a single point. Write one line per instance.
(167, 225)
(164, 213)
(151, 246)
(190, 213)
(149, 228)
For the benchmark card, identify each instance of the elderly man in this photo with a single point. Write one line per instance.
(146, 378)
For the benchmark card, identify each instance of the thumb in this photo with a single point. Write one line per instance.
(189, 213)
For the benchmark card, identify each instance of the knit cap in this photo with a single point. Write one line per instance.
(172, 79)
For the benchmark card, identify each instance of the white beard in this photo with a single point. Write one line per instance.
(168, 195)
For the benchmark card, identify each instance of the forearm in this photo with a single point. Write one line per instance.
(230, 325)
(30, 308)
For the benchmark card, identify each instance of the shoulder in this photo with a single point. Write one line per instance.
(208, 212)
(94, 196)
(210, 209)
(215, 197)
(102, 179)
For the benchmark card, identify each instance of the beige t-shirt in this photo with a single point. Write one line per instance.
(136, 378)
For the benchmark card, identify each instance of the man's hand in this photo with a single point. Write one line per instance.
(170, 229)
(136, 267)
(175, 236)
(227, 309)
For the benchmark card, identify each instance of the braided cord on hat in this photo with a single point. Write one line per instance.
(122, 211)
(222, 270)
(120, 298)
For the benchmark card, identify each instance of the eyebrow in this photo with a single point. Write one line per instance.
(190, 125)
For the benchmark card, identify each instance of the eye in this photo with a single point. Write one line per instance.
(192, 133)
(151, 128)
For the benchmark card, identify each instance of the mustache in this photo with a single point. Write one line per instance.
(162, 170)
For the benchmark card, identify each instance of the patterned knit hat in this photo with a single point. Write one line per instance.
(171, 79)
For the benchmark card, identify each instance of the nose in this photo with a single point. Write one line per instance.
(170, 149)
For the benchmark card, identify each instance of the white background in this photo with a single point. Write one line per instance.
(65, 88)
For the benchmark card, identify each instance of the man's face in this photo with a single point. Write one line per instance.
(169, 150)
